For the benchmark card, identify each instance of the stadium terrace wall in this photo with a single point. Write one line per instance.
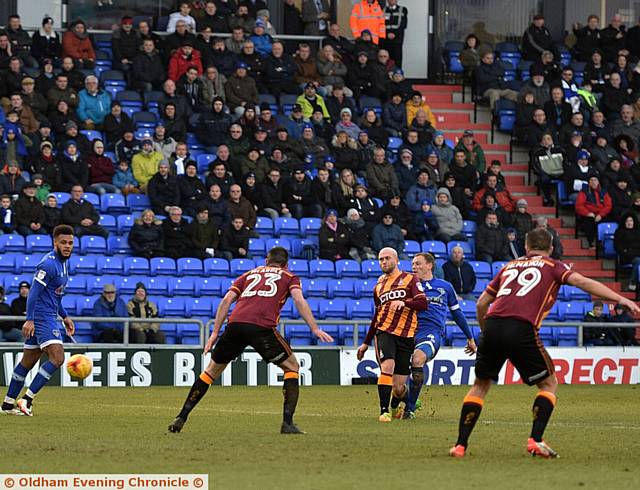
(119, 367)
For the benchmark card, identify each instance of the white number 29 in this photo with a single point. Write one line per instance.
(270, 281)
(527, 279)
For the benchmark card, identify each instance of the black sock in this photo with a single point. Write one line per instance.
(290, 390)
(469, 415)
(384, 391)
(542, 409)
(198, 390)
(395, 401)
(7, 406)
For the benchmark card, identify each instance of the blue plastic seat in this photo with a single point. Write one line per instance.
(437, 249)
(110, 265)
(84, 264)
(364, 288)
(286, 227)
(96, 283)
(216, 267)
(157, 286)
(321, 268)
(138, 202)
(62, 197)
(118, 245)
(144, 119)
(469, 228)
(204, 161)
(264, 226)
(468, 308)
(171, 307)
(38, 244)
(92, 134)
(577, 294)
(343, 288)
(113, 204)
(366, 102)
(480, 286)
(94, 199)
(257, 247)
(84, 305)
(315, 287)
(136, 265)
(361, 308)
(288, 310)
(12, 243)
(126, 285)
(301, 247)
(205, 286)
(299, 267)
(108, 222)
(240, 266)
(554, 313)
(404, 265)
(182, 286)
(299, 335)
(496, 266)
(334, 308)
(90, 244)
(347, 268)
(411, 247)
(190, 267)
(75, 285)
(12, 281)
(482, 269)
(163, 266)
(547, 336)
(201, 307)
(570, 310)
(370, 268)
(504, 115)
(567, 336)
(606, 230)
(345, 333)
(69, 302)
(278, 242)
(26, 264)
(310, 226)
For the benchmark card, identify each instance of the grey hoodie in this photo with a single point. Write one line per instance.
(448, 216)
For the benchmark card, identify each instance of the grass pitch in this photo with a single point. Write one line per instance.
(233, 436)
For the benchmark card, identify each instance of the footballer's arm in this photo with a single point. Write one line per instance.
(307, 315)
(221, 315)
(601, 291)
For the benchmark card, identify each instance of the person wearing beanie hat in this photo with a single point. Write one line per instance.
(191, 189)
(388, 234)
(312, 97)
(254, 162)
(334, 238)
(241, 89)
(502, 194)
(522, 221)
(139, 306)
(213, 125)
(421, 190)
(109, 304)
(144, 164)
(416, 104)
(394, 114)
(45, 42)
(204, 233)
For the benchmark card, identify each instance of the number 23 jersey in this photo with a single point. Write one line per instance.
(527, 288)
(261, 294)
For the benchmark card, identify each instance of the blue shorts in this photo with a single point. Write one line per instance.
(45, 334)
(429, 343)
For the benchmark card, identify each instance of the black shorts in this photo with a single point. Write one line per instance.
(238, 336)
(389, 346)
(517, 341)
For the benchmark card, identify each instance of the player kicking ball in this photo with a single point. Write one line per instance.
(260, 294)
(398, 296)
(510, 312)
(431, 327)
(42, 330)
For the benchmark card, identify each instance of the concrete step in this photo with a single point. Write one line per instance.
(457, 127)
(573, 243)
(595, 274)
(588, 265)
(579, 252)
(529, 190)
(541, 210)
(450, 118)
(514, 180)
(516, 169)
(430, 89)
(438, 97)
(452, 107)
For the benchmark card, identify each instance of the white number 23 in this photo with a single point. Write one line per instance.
(270, 280)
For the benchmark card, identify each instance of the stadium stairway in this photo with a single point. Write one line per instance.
(453, 117)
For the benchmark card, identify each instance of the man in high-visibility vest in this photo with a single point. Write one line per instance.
(367, 14)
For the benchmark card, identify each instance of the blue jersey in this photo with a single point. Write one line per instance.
(45, 297)
(441, 297)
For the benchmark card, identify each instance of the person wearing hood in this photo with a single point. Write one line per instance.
(593, 205)
(45, 42)
(124, 180)
(29, 212)
(448, 218)
(109, 304)
(192, 191)
(425, 225)
(52, 214)
(145, 164)
(101, 170)
(491, 240)
(621, 314)
(94, 104)
(401, 214)
(620, 198)
(381, 176)
(489, 204)
(163, 190)
(388, 234)
(602, 153)
(213, 125)
(11, 180)
(185, 57)
(522, 221)
(139, 306)
(334, 236)
(15, 143)
(612, 172)
(626, 241)
(578, 174)
(422, 190)
(394, 115)
(75, 170)
(162, 142)
(77, 45)
(458, 198)
(146, 238)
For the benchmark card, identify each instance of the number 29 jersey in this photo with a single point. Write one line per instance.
(527, 288)
(261, 294)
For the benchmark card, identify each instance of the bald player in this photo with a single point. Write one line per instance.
(398, 296)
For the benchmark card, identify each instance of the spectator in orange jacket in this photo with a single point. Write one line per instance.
(77, 45)
(367, 14)
(503, 196)
(592, 207)
(184, 58)
(415, 104)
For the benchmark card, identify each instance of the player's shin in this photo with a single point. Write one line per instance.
(15, 386)
(42, 378)
(542, 409)
(417, 380)
(290, 390)
(198, 390)
(385, 382)
(469, 415)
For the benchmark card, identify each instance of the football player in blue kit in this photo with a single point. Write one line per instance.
(431, 326)
(42, 330)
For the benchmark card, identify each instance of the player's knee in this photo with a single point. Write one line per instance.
(418, 360)
(549, 384)
(56, 359)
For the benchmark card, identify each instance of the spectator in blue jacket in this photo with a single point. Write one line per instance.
(460, 274)
(109, 305)
(124, 179)
(422, 190)
(261, 40)
(394, 115)
(388, 234)
(94, 105)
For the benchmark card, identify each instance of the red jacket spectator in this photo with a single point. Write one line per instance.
(77, 45)
(593, 200)
(503, 196)
(184, 58)
(101, 168)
